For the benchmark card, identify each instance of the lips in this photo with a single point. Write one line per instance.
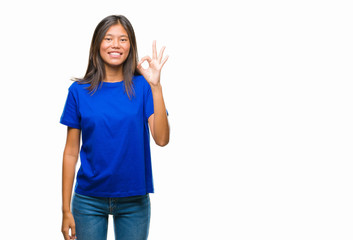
(115, 54)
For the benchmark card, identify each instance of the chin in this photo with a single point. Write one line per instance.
(114, 64)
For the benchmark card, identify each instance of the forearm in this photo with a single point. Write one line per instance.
(68, 175)
(160, 123)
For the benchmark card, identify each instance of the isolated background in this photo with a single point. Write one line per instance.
(260, 101)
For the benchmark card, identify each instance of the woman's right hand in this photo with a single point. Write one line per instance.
(68, 223)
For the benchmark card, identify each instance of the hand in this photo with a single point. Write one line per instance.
(153, 73)
(68, 222)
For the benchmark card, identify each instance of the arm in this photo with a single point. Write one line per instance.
(70, 157)
(158, 121)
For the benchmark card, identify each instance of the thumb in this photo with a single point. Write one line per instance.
(73, 232)
(146, 58)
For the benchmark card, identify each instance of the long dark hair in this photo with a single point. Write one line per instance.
(96, 71)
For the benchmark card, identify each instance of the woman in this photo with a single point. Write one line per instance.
(113, 106)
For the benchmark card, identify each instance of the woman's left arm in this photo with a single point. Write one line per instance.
(158, 121)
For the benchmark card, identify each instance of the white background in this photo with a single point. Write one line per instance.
(260, 101)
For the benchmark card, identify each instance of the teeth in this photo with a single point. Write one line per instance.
(115, 54)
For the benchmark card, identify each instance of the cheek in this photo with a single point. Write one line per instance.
(128, 49)
(103, 47)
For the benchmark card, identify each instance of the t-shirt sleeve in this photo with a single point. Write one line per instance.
(149, 108)
(70, 116)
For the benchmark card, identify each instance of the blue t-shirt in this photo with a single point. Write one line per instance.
(115, 153)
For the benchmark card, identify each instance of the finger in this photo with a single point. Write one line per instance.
(66, 234)
(154, 49)
(146, 58)
(160, 56)
(166, 58)
(73, 232)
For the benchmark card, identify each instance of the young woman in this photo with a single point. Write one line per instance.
(113, 106)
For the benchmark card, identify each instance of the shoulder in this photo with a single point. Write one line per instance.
(76, 86)
(141, 82)
(139, 79)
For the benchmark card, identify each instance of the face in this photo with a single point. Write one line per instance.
(115, 46)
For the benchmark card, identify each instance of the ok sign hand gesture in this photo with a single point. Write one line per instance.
(153, 73)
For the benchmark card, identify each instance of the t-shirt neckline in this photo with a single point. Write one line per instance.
(112, 84)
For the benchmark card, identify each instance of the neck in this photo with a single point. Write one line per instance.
(113, 74)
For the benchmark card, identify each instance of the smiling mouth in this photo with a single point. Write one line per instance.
(115, 54)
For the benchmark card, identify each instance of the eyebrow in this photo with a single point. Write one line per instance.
(109, 34)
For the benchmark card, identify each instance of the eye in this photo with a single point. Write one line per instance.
(123, 39)
(107, 39)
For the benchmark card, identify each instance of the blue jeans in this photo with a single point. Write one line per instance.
(131, 217)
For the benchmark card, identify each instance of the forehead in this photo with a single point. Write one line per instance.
(116, 30)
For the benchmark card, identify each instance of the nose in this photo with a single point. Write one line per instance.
(116, 43)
